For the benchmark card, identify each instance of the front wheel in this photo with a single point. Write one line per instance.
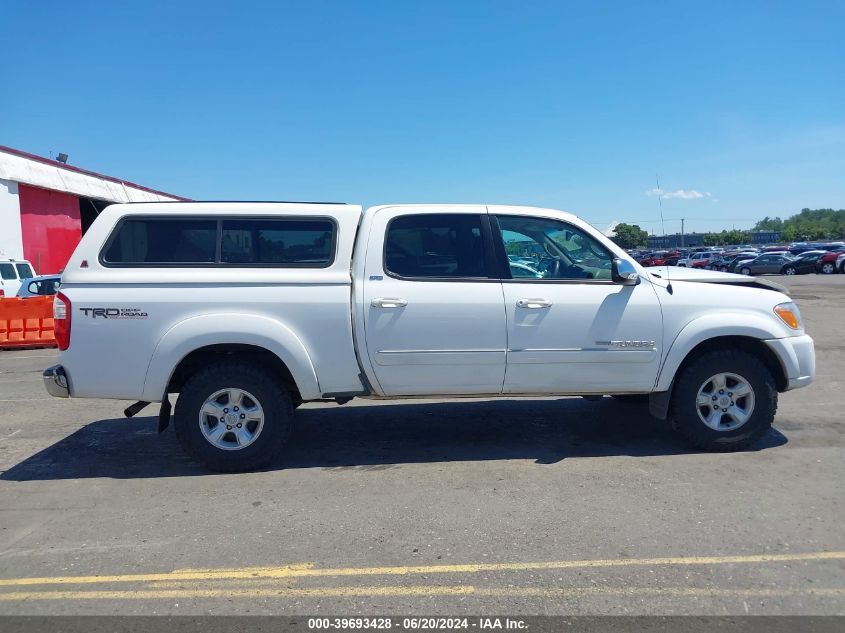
(828, 268)
(232, 417)
(789, 270)
(745, 270)
(724, 401)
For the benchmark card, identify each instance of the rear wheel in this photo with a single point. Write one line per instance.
(789, 270)
(724, 401)
(232, 417)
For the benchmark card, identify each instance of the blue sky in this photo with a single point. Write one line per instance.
(738, 106)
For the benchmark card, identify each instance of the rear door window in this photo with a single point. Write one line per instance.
(435, 245)
(7, 271)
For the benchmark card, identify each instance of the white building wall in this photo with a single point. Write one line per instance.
(11, 238)
(55, 177)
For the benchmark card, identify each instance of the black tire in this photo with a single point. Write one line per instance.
(828, 268)
(790, 270)
(745, 271)
(274, 399)
(685, 414)
(631, 398)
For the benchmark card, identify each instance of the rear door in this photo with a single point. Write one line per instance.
(433, 313)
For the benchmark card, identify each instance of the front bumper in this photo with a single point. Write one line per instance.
(56, 382)
(798, 357)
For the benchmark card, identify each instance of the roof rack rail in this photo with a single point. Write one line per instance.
(237, 201)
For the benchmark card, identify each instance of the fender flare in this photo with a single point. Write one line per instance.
(229, 328)
(710, 326)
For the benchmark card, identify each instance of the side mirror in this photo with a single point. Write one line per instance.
(624, 273)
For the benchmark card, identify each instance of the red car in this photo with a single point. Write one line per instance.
(659, 258)
(827, 263)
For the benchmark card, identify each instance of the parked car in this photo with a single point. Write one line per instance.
(44, 285)
(11, 273)
(696, 260)
(660, 258)
(325, 302)
(827, 263)
(726, 262)
(766, 263)
(804, 264)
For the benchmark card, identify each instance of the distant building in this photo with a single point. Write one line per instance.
(676, 241)
(656, 242)
(46, 206)
(765, 237)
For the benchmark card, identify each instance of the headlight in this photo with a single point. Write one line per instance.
(789, 314)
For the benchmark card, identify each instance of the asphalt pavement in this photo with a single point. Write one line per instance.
(461, 506)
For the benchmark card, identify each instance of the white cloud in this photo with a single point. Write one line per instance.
(683, 194)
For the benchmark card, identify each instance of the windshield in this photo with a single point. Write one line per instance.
(24, 270)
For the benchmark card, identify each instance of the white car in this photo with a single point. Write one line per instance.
(246, 310)
(11, 273)
(696, 257)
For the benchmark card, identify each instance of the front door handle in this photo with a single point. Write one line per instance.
(534, 304)
(384, 302)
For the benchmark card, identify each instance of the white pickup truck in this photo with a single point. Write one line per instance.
(247, 310)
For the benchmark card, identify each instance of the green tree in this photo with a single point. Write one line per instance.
(809, 224)
(629, 235)
(769, 224)
(726, 238)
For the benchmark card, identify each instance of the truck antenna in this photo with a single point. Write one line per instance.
(663, 230)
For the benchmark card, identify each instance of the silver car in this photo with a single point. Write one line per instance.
(766, 263)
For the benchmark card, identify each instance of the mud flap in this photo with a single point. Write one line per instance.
(658, 403)
(164, 414)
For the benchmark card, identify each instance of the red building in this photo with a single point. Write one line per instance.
(46, 206)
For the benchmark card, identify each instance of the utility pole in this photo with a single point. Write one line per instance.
(682, 232)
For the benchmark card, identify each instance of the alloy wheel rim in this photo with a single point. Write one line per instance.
(725, 401)
(231, 419)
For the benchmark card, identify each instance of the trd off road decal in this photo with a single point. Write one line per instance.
(114, 313)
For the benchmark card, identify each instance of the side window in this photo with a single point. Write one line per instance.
(435, 245)
(306, 243)
(163, 241)
(554, 249)
(7, 271)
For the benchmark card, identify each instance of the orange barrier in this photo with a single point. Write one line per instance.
(26, 322)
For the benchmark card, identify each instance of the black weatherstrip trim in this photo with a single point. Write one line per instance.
(491, 263)
(503, 269)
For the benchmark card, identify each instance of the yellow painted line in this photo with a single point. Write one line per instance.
(398, 591)
(307, 570)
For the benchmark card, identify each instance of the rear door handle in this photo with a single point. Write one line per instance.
(384, 302)
(534, 304)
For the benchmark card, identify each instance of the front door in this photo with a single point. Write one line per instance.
(433, 312)
(571, 329)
